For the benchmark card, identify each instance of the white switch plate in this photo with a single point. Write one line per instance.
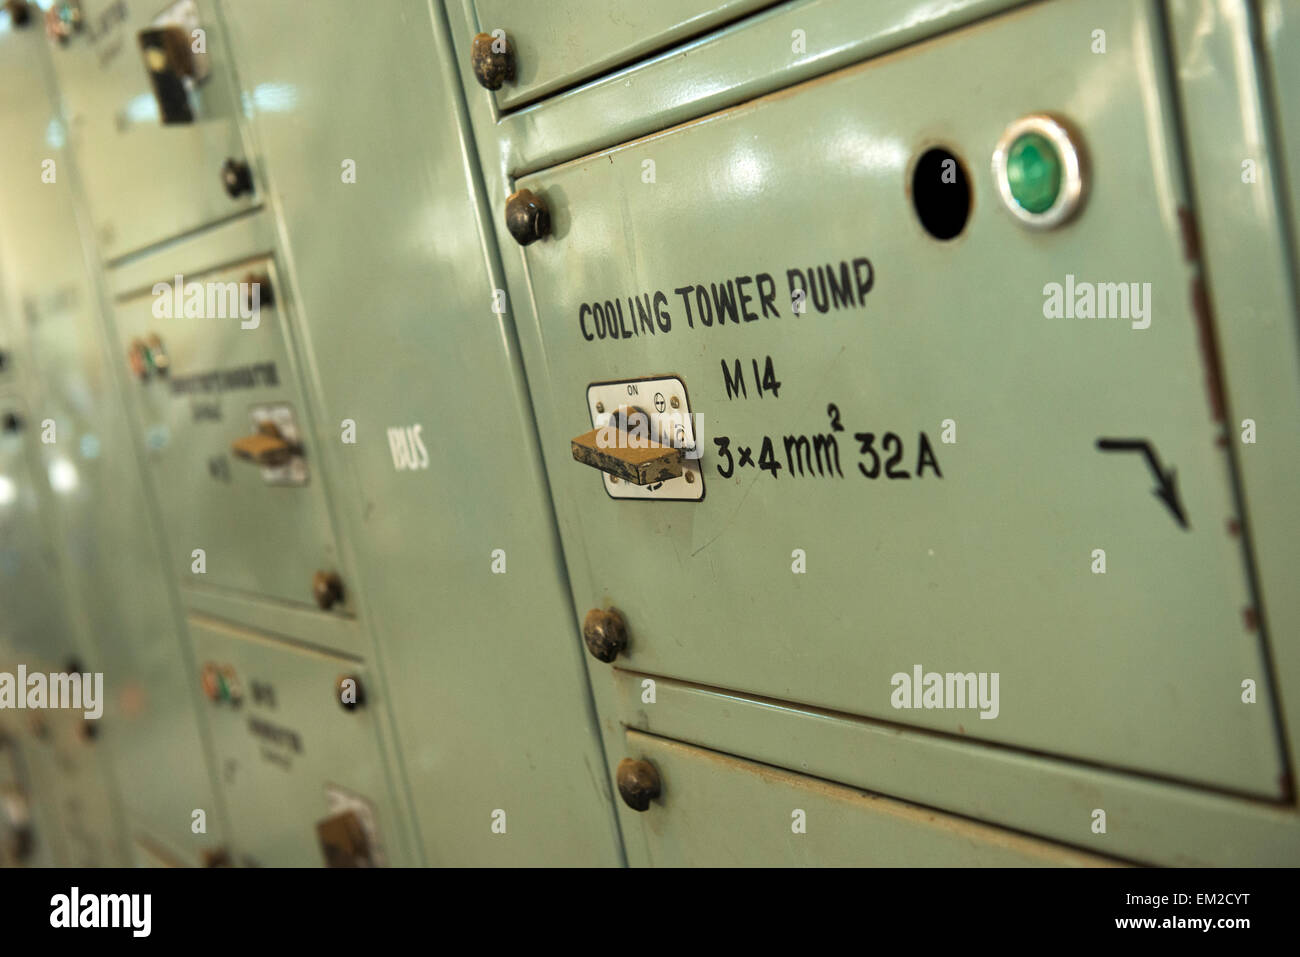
(672, 424)
(340, 799)
(293, 472)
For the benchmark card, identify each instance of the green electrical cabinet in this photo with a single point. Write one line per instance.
(235, 464)
(967, 333)
(60, 807)
(427, 427)
(105, 601)
(290, 755)
(915, 478)
(227, 371)
(927, 463)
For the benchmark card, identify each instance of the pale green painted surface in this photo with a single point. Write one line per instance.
(32, 625)
(988, 568)
(780, 46)
(1126, 684)
(259, 538)
(1242, 230)
(1147, 821)
(108, 605)
(562, 42)
(392, 290)
(145, 181)
(275, 789)
(74, 810)
(719, 811)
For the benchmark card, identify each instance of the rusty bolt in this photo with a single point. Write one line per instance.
(493, 60)
(356, 692)
(215, 857)
(527, 217)
(20, 14)
(265, 294)
(327, 589)
(237, 178)
(638, 783)
(604, 633)
(21, 842)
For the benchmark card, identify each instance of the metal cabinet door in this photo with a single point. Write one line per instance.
(33, 627)
(146, 180)
(76, 816)
(288, 754)
(560, 43)
(714, 810)
(263, 532)
(828, 561)
(454, 538)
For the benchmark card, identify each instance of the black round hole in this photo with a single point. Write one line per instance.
(941, 193)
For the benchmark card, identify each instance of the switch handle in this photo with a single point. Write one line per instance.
(628, 455)
(266, 446)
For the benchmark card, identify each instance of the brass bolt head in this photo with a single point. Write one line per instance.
(604, 633)
(638, 783)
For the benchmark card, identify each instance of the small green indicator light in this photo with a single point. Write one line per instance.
(223, 692)
(1034, 172)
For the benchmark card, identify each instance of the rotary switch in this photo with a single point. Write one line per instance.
(265, 447)
(170, 61)
(624, 449)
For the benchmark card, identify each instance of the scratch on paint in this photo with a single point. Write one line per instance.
(730, 519)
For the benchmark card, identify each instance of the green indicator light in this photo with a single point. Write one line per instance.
(1034, 172)
(223, 692)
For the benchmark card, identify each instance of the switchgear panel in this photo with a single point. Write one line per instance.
(895, 423)
(128, 780)
(57, 805)
(223, 418)
(408, 326)
(732, 433)
(294, 739)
